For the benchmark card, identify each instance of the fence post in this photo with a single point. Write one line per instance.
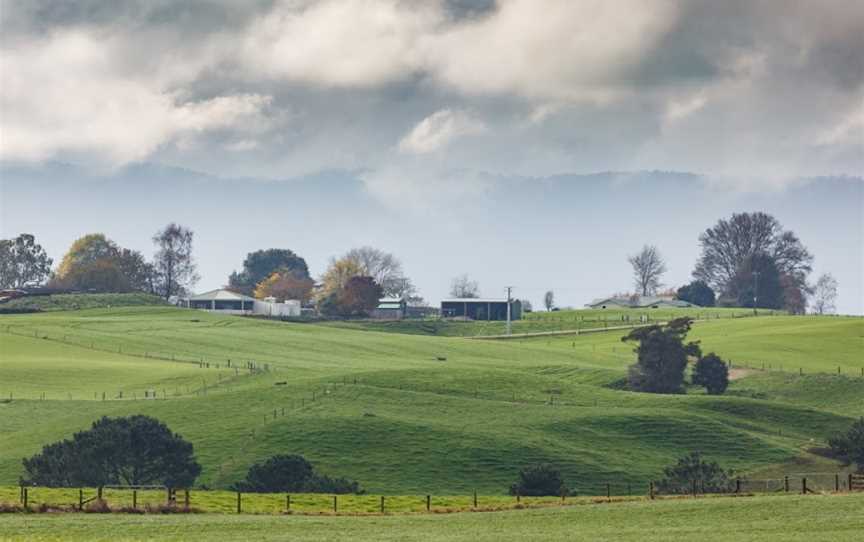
(693, 486)
(186, 498)
(803, 486)
(99, 493)
(288, 502)
(238, 502)
(786, 484)
(134, 498)
(608, 490)
(382, 504)
(738, 485)
(651, 490)
(849, 482)
(475, 498)
(80, 499)
(335, 505)
(26, 497)
(836, 482)
(428, 503)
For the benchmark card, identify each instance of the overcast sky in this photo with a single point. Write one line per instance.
(417, 105)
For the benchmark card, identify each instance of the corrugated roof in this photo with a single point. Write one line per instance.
(221, 295)
(476, 300)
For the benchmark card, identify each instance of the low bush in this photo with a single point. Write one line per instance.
(538, 481)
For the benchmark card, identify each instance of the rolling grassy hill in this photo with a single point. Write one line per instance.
(791, 519)
(540, 322)
(407, 413)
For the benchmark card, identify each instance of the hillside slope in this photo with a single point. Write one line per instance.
(400, 413)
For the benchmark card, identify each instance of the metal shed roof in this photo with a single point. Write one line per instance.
(221, 295)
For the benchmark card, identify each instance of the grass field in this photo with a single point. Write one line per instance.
(411, 414)
(70, 302)
(541, 322)
(791, 519)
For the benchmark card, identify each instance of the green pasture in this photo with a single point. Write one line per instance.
(758, 519)
(540, 322)
(409, 414)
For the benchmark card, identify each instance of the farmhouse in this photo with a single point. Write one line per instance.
(481, 309)
(390, 309)
(638, 302)
(228, 302)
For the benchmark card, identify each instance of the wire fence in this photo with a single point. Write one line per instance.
(162, 499)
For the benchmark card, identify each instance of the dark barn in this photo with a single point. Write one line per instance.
(481, 309)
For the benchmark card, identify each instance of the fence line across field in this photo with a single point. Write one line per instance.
(282, 502)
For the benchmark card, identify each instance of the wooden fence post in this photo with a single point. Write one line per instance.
(786, 484)
(475, 498)
(738, 485)
(134, 498)
(803, 486)
(428, 503)
(849, 482)
(186, 498)
(608, 490)
(288, 502)
(651, 490)
(99, 493)
(80, 499)
(836, 482)
(382, 504)
(238, 502)
(693, 484)
(335, 505)
(26, 498)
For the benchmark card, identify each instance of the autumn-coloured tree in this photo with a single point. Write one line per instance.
(338, 274)
(261, 264)
(359, 296)
(284, 285)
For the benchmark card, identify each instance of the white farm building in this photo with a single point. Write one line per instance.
(228, 302)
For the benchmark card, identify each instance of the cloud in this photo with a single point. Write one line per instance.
(439, 129)
(679, 109)
(340, 42)
(64, 95)
(733, 88)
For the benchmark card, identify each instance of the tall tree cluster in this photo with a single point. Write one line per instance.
(262, 264)
(23, 262)
(741, 253)
(96, 263)
(136, 450)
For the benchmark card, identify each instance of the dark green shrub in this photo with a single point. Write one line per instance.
(539, 480)
(712, 373)
(292, 473)
(709, 476)
(849, 446)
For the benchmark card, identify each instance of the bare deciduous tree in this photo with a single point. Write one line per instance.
(648, 267)
(549, 300)
(175, 267)
(384, 268)
(825, 294)
(463, 287)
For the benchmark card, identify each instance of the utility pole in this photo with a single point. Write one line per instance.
(509, 289)
(755, 291)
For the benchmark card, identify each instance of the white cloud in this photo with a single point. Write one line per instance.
(438, 129)
(64, 94)
(678, 109)
(340, 42)
(560, 49)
